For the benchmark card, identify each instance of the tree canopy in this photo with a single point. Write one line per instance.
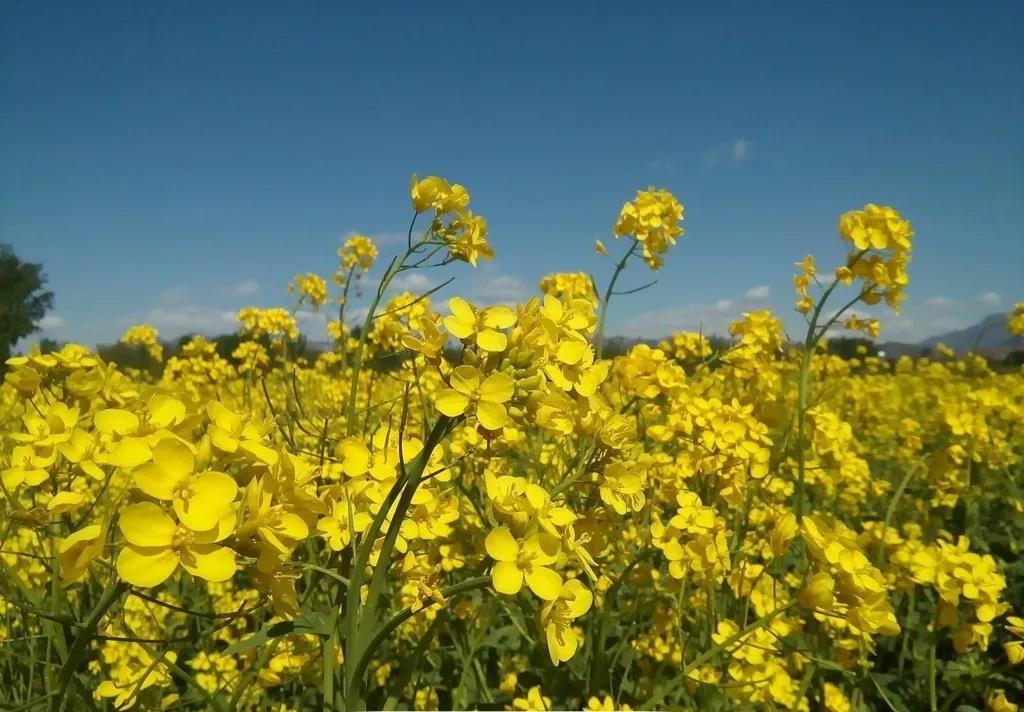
(23, 301)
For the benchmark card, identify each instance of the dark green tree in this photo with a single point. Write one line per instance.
(23, 301)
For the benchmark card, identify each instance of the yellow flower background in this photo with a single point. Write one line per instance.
(473, 506)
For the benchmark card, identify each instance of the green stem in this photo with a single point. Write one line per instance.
(599, 334)
(933, 698)
(361, 618)
(405, 614)
(357, 362)
(85, 636)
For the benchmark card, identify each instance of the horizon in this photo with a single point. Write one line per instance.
(197, 157)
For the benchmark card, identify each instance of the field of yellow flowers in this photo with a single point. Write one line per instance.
(466, 506)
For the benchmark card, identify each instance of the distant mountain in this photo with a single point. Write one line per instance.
(989, 337)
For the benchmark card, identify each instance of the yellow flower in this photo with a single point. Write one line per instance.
(557, 616)
(530, 560)
(534, 701)
(28, 466)
(78, 550)
(480, 325)
(200, 501)
(156, 545)
(469, 395)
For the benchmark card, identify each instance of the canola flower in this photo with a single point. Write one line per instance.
(468, 506)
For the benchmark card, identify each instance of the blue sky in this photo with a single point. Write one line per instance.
(171, 162)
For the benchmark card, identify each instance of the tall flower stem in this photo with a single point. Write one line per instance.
(393, 269)
(599, 334)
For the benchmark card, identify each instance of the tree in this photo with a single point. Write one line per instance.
(848, 347)
(23, 302)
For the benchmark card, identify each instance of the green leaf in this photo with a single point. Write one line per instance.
(310, 623)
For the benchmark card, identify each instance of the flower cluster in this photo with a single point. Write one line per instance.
(145, 336)
(653, 219)
(310, 288)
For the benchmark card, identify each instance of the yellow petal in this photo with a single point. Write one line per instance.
(293, 526)
(491, 340)
(84, 534)
(154, 481)
(497, 388)
(563, 647)
(65, 502)
(462, 310)
(501, 545)
(145, 524)
(500, 317)
(570, 352)
(223, 440)
(165, 411)
(507, 578)
(222, 417)
(146, 567)
(174, 457)
(114, 421)
(258, 451)
(225, 527)
(465, 379)
(458, 328)
(582, 599)
(355, 457)
(211, 494)
(492, 416)
(210, 562)
(451, 402)
(544, 582)
(130, 452)
(542, 548)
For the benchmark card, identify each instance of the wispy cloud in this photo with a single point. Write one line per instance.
(736, 151)
(246, 288)
(710, 318)
(938, 301)
(501, 289)
(761, 292)
(990, 299)
(661, 165)
(178, 294)
(186, 318)
(412, 282)
(51, 322)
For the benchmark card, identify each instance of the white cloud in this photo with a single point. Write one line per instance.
(416, 282)
(761, 292)
(710, 319)
(177, 294)
(938, 301)
(246, 288)
(741, 149)
(736, 151)
(661, 165)
(186, 318)
(990, 299)
(50, 322)
(501, 289)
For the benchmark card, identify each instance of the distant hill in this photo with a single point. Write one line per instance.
(990, 334)
(989, 337)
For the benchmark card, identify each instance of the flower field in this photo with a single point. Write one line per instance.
(469, 506)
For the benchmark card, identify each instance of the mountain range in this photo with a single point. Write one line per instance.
(989, 337)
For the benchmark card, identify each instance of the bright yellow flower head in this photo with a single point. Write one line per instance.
(654, 218)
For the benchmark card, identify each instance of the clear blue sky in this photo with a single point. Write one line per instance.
(171, 162)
